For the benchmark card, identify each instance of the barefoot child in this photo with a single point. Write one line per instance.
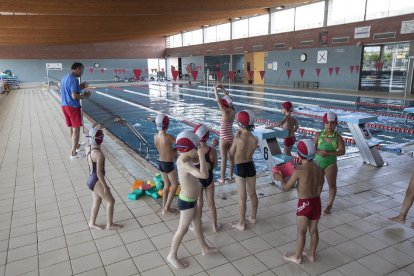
(164, 144)
(408, 202)
(203, 132)
(241, 152)
(329, 144)
(291, 124)
(187, 143)
(310, 185)
(226, 129)
(96, 181)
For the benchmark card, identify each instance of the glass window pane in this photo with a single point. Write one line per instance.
(282, 21)
(176, 41)
(187, 39)
(210, 34)
(259, 25)
(223, 32)
(197, 37)
(309, 16)
(377, 9)
(345, 11)
(398, 7)
(240, 29)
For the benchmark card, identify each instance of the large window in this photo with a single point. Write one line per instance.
(345, 11)
(210, 34)
(259, 25)
(193, 38)
(223, 32)
(282, 21)
(175, 41)
(384, 8)
(310, 16)
(240, 29)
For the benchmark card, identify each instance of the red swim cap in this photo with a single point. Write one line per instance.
(288, 106)
(202, 131)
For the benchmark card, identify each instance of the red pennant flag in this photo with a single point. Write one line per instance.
(262, 73)
(218, 75)
(137, 73)
(288, 72)
(302, 71)
(231, 75)
(318, 71)
(351, 67)
(337, 70)
(116, 71)
(330, 69)
(174, 74)
(217, 66)
(357, 68)
(251, 73)
(102, 70)
(91, 70)
(199, 67)
(123, 71)
(195, 74)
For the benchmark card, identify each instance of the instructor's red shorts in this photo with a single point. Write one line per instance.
(73, 116)
(310, 208)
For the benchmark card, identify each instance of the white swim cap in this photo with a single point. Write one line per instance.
(246, 119)
(95, 136)
(186, 141)
(306, 149)
(162, 121)
(202, 131)
(227, 101)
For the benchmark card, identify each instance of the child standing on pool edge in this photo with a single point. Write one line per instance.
(291, 124)
(226, 130)
(329, 144)
(203, 132)
(190, 152)
(164, 144)
(310, 177)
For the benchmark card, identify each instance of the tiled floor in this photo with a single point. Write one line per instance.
(45, 205)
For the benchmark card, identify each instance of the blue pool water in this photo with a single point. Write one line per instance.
(196, 103)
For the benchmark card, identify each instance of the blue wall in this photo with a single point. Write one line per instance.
(342, 57)
(34, 70)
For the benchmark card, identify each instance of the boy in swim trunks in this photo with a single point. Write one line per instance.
(241, 151)
(329, 144)
(226, 129)
(96, 181)
(188, 145)
(311, 179)
(164, 144)
(203, 132)
(291, 124)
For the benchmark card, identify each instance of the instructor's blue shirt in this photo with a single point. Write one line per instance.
(68, 85)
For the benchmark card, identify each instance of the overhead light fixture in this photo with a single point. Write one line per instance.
(237, 18)
(280, 7)
(205, 26)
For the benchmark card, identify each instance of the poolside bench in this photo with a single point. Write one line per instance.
(306, 84)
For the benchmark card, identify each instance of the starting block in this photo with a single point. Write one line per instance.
(269, 146)
(366, 144)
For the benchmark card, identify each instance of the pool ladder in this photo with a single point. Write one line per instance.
(115, 119)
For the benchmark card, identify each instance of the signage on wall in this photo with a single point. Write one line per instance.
(54, 66)
(362, 32)
(322, 57)
(275, 65)
(407, 27)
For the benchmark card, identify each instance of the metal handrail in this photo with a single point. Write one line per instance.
(119, 120)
